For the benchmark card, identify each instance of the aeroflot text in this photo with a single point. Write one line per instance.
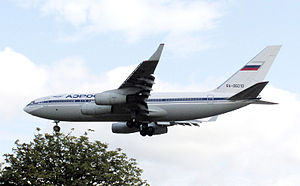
(80, 96)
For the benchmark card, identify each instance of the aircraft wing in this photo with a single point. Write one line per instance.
(140, 81)
(142, 75)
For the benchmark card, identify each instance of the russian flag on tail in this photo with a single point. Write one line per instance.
(251, 67)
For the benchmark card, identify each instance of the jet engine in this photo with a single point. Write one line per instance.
(158, 129)
(93, 109)
(110, 97)
(122, 128)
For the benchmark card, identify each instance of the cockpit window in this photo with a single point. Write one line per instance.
(31, 103)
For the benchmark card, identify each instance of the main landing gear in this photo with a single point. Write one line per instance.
(144, 128)
(132, 123)
(56, 128)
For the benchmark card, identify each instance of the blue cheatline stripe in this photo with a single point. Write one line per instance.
(149, 100)
(61, 101)
(183, 99)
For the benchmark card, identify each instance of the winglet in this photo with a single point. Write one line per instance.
(157, 53)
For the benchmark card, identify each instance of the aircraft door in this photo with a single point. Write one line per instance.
(210, 99)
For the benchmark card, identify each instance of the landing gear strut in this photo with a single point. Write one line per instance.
(56, 128)
(131, 123)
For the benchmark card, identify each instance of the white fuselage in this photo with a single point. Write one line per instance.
(162, 107)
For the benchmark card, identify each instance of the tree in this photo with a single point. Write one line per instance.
(59, 159)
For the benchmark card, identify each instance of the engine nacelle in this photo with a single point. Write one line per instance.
(110, 97)
(158, 129)
(93, 109)
(122, 128)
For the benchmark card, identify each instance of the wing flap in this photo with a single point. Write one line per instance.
(195, 122)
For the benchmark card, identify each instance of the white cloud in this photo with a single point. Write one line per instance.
(256, 145)
(181, 23)
(20, 79)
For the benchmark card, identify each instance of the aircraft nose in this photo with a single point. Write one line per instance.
(31, 109)
(26, 109)
(34, 108)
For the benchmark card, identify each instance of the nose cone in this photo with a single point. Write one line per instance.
(32, 109)
(26, 109)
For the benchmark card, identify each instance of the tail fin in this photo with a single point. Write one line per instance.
(253, 72)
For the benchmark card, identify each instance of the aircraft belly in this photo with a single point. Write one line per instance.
(180, 112)
(73, 113)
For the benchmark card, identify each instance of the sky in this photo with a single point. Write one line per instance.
(80, 46)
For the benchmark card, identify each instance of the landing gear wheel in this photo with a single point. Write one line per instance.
(150, 131)
(146, 130)
(143, 133)
(144, 127)
(56, 128)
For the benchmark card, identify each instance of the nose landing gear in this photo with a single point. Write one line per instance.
(56, 128)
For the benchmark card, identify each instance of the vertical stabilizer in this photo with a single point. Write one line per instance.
(253, 72)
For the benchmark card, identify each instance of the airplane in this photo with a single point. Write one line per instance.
(134, 109)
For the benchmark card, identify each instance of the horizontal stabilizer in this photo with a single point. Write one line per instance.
(250, 93)
(264, 102)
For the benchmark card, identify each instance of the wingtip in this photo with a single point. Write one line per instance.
(275, 46)
(157, 53)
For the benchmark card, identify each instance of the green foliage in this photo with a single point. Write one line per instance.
(58, 159)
